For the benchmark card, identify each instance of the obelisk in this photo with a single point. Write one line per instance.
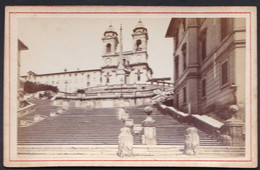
(121, 68)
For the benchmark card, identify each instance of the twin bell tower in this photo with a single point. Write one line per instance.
(125, 67)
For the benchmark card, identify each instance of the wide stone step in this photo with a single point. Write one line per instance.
(177, 149)
(143, 150)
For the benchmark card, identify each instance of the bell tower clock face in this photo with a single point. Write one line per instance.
(108, 61)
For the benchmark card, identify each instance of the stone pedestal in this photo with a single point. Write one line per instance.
(37, 118)
(191, 143)
(125, 117)
(235, 131)
(130, 124)
(235, 127)
(59, 111)
(149, 136)
(149, 128)
(53, 114)
(122, 115)
(54, 103)
(125, 143)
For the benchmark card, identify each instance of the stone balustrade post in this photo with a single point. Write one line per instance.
(235, 127)
(191, 142)
(149, 128)
(125, 142)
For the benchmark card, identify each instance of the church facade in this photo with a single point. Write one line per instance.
(123, 67)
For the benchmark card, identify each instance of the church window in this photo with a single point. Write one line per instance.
(108, 49)
(88, 84)
(138, 75)
(107, 77)
(125, 62)
(75, 74)
(70, 75)
(138, 43)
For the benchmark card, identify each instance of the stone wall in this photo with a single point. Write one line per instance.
(101, 102)
(26, 110)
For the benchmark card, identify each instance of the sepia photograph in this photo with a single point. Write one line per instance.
(130, 86)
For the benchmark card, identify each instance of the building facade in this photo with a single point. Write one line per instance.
(209, 63)
(134, 65)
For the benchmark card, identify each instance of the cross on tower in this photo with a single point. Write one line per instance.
(107, 76)
(138, 73)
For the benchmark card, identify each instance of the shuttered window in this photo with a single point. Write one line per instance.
(203, 88)
(224, 71)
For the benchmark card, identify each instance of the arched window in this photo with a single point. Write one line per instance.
(108, 49)
(138, 43)
(125, 62)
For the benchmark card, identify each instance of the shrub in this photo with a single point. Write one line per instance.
(30, 87)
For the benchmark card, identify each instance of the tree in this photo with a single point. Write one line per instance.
(30, 87)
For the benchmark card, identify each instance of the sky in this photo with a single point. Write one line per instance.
(76, 43)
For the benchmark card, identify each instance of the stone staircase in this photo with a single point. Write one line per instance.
(100, 127)
(76, 131)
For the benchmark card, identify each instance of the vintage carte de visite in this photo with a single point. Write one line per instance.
(130, 86)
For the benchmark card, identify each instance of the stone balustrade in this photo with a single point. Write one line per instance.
(26, 110)
(229, 132)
